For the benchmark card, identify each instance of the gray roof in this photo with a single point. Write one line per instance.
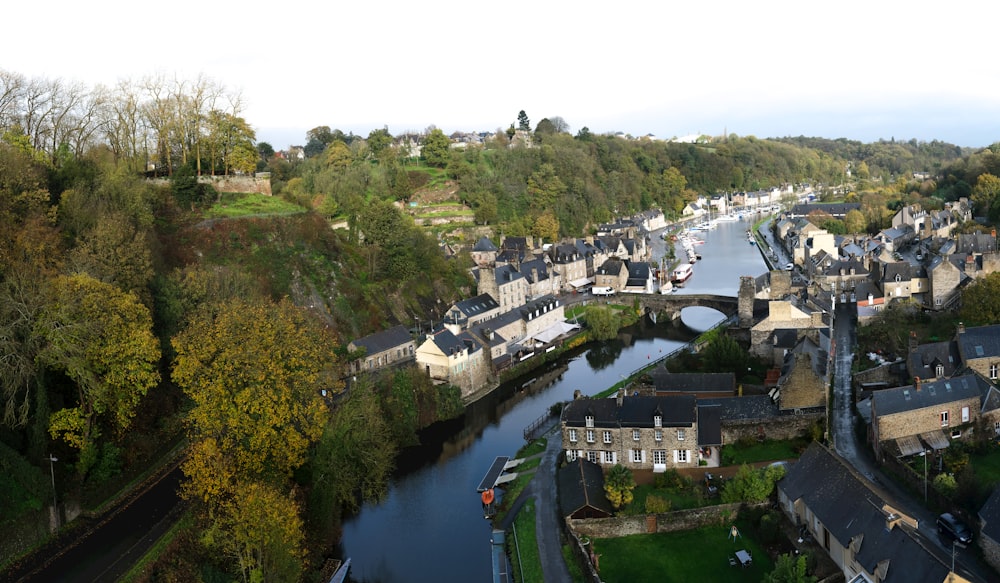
(693, 382)
(924, 359)
(744, 408)
(540, 267)
(484, 244)
(979, 342)
(674, 411)
(581, 490)
(709, 425)
(447, 342)
(835, 209)
(506, 274)
(613, 266)
(384, 340)
(638, 273)
(989, 514)
(930, 394)
(894, 268)
(477, 305)
(849, 509)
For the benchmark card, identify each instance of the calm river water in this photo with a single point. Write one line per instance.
(430, 526)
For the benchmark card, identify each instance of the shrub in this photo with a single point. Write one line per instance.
(657, 505)
(946, 485)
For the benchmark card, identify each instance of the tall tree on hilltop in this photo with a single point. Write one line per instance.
(523, 123)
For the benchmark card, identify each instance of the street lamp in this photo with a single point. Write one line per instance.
(52, 469)
(923, 454)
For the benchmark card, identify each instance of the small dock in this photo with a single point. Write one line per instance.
(497, 475)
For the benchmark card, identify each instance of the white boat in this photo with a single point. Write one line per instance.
(726, 218)
(682, 273)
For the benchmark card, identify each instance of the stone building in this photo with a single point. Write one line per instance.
(382, 349)
(979, 348)
(506, 284)
(636, 432)
(927, 414)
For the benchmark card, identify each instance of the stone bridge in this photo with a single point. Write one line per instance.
(671, 305)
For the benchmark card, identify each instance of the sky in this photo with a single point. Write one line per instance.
(865, 71)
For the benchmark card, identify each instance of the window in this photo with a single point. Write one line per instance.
(939, 371)
(659, 456)
(658, 435)
(681, 456)
(572, 435)
(657, 421)
(571, 455)
(592, 457)
(590, 420)
(609, 457)
(635, 435)
(993, 371)
(680, 435)
(637, 455)
(944, 419)
(956, 433)
(607, 437)
(965, 414)
(996, 427)
(590, 436)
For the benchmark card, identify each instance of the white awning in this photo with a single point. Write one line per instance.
(909, 445)
(935, 439)
(554, 331)
(581, 282)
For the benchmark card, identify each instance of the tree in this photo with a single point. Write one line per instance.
(584, 134)
(559, 124)
(618, 486)
(547, 227)
(854, 221)
(981, 301)
(726, 355)
(115, 251)
(378, 141)
(101, 338)
(254, 371)
(435, 149)
(544, 128)
(523, 123)
(985, 194)
(789, 569)
(603, 322)
(510, 132)
(545, 188)
(752, 485)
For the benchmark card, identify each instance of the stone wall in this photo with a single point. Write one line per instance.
(991, 551)
(617, 526)
(258, 184)
(880, 374)
(781, 427)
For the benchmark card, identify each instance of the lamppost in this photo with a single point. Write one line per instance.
(52, 469)
(923, 454)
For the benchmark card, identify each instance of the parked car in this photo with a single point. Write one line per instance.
(954, 529)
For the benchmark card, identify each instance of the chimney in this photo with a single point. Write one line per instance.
(621, 396)
(916, 383)
(961, 327)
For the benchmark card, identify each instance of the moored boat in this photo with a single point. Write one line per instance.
(682, 273)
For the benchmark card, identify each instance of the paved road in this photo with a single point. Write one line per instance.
(846, 443)
(113, 544)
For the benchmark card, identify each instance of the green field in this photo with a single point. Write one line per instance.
(251, 204)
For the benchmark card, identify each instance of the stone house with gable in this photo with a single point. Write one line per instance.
(803, 384)
(612, 273)
(542, 280)
(571, 265)
(979, 349)
(866, 538)
(467, 313)
(454, 359)
(505, 284)
(484, 252)
(381, 349)
(905, 420)
(944, 280)
(638, 432)
(783, 314)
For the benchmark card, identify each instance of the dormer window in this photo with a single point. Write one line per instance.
(657, 421)
(939, 370)
(589, 420)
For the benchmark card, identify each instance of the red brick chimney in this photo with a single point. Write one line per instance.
(916, 383)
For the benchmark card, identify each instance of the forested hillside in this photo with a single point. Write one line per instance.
(138, 317)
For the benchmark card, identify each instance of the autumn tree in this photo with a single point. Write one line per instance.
(986, 195)
(547, 227)
(854, 221)
(101, 338)
(254, 372)
(544, 188)
(116, 251)
(603, 322)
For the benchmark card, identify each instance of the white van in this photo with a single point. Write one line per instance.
(603, 291)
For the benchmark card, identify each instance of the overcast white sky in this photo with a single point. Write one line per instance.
(858, 69)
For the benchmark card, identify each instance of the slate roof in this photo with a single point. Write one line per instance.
(484, 244)
(849, 509)
(744, 408)
(612, 266)
(447, 342)
(542, 269)
(581, 488)
(977, 242)
(689, 382)
(709, 425)
(989, 514)
(384, 340)
(506, 274)
(846, 265)
(979, 342)
(931, 394)
(836, 210)
(675, 411)
(922, 361)
(894, 268)
(477, 305)
(638, 273)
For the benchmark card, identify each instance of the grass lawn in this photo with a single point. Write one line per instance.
(986, 465)
(680, 498)
(522, 546)
(765, 451)
(248, 204)
(691, 555)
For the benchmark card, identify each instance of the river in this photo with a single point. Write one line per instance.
(430, 526)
